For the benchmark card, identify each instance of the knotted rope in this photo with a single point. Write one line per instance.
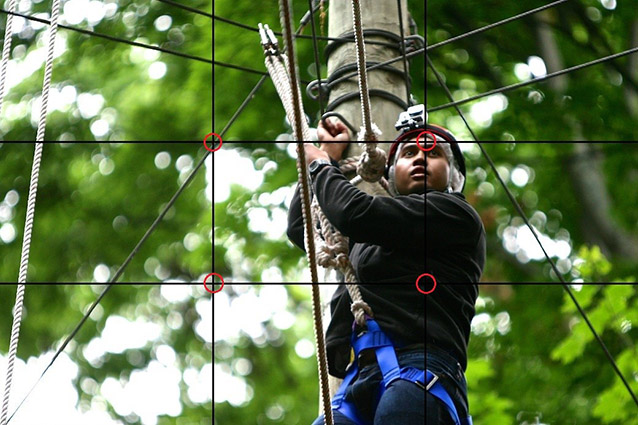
(22, 278)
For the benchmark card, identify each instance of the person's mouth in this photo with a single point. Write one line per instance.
(418, 173)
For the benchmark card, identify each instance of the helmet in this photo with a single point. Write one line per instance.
(443, 134)
(451, 149)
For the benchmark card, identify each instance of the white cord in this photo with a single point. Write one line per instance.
(6, 50)
(22, 278)
(48, 70)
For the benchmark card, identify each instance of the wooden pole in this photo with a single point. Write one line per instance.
(375, 14)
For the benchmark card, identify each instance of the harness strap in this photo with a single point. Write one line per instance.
(435, 388)
(374, 338)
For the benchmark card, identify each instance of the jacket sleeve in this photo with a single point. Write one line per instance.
(377, 220)
(295, 220)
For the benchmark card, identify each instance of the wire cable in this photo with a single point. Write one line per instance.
(316, 53)
(531, 228)
(190, 9)
(117, 275)
(302, 36)
(536, 80)
(110, 37)
(496, 24)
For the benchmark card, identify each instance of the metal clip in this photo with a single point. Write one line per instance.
(432, 382)
(268, 40)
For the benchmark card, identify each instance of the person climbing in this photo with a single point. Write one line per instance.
(455, 253)
(386, 246)
(386, 234)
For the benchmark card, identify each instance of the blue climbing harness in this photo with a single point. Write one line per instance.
(375, 338)
(435, 388)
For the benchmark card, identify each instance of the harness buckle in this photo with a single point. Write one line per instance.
(432, 382)
(420, 385)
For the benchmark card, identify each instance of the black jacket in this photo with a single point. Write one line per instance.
(387, 235)
(455, 238)
(455, 254)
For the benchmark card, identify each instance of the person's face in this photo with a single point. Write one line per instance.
(410, 170)
(438, 169)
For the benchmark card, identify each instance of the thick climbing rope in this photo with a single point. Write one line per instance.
(22, 278)
(322, 360)
(277, 65)
(369, 131)
(304, 187)
(328, 247)
(285, 16)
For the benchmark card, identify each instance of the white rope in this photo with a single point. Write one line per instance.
(22, 278)
(48, 70)
(369, 131)
(277, 68)
(6, 50)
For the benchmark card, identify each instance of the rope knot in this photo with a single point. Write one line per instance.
(372, 165)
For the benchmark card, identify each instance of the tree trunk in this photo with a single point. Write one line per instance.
(375, 14)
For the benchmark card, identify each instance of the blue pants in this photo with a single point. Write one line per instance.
(402, 403)
(452, 378)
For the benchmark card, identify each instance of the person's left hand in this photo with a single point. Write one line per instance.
(313, 153)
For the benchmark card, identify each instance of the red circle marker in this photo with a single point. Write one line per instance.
(213, 274)
(220, 142)
(433, 287)
(433, 138)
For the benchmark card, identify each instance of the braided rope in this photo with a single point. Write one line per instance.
(48, 70)
(322, 359)
(22, 278)
(304, 187)
(281, 80)
(358, 307)
(285, 16)
(6, 49)
(368, 134)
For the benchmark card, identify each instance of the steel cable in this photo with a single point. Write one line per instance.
(119, 272)
(495, 24)
(531, 228)
(535, 80)
(110, 37)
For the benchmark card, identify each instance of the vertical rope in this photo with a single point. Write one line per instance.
(22, 278)
(6, 50)
(369, 134)
(286, 17)
(304, 187)
(48, 70)
(321, 355)
(28, 225)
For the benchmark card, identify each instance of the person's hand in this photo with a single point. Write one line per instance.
(312, 153)
(332, 132)
(335, 150)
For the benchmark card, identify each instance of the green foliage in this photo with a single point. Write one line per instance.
(177, 106)
(264, 117)
(590, 104)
